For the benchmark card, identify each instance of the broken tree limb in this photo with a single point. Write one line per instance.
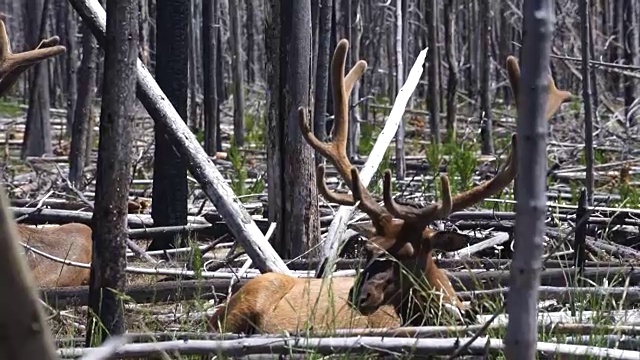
(198, 162)
(338, 226)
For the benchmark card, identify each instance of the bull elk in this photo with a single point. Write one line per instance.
(400, 270)
(70, 241)
(399, 234)
(273, 302)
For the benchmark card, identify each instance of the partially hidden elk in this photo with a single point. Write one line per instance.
(399, 236)
(70, 241)
(399, 268)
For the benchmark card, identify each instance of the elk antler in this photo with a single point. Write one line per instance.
(502, 179)
(556, 97)
(419, 216)
(12, 65)
(336, 150)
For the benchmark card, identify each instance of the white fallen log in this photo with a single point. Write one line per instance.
(626, 317)
(198, 162)
(233, 273)
(350, 345)
(332, 243)
(470, 250)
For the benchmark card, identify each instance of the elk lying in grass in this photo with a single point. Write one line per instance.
(274, 302)
(71, 241)
(400, 270)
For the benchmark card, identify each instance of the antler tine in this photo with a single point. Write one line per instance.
(489, 187)
(367, 203)
(13, 65)
(418, 216)
(336, 150)
(555, 98)
(331, 196)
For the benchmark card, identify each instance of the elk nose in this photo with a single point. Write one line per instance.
(364, 298)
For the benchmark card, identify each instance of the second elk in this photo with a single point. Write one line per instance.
(70, 241)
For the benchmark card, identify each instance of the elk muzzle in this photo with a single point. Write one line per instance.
(375, 287)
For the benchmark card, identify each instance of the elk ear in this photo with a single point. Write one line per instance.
(397, 249)
(448, 240)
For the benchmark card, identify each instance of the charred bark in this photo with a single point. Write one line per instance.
(107, 278)
(291, 169)
(238, 74)
(486, 123)
(434, 84)
(83, 122)
(169, 205)
(452, 78)
(37, 134)
(325, 14)
(211, 106)
(71, 64)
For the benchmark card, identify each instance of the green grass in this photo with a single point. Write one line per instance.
(9, 108)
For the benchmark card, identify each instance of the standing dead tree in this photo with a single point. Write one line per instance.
(109, 259)
(293, 204)
(37, 138)
(238, 73)
(533, 95)
(434, 83)
(209, 74)
(400, 50)
(80, 147)
(170, 189)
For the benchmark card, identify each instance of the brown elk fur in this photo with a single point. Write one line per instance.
(272, 303)
(71, 241)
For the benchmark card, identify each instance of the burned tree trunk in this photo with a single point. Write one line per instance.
(83, 122)
(143, 31)
(211, 106)
(169, 205)
(37, 135)
(452, 78)
(72, 64)
(630, 41)
(251, 41)
(238, 74)
(293, 198)
(400, 49)
(321, 88)
(114, 166)
(486, 123)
